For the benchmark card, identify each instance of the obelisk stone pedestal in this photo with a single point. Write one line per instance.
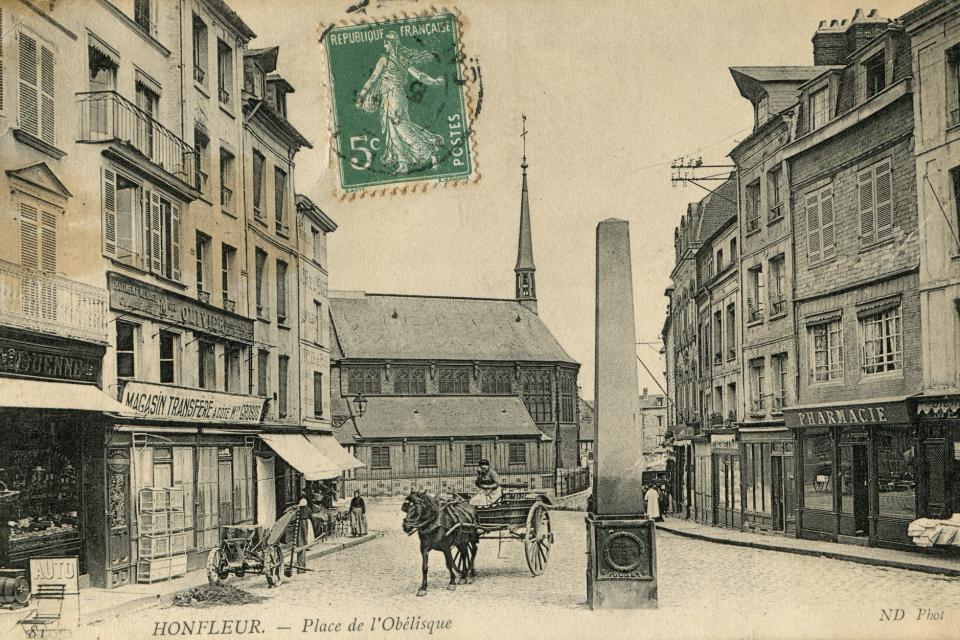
(621, 570)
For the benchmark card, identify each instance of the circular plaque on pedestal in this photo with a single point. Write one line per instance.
(623, 552)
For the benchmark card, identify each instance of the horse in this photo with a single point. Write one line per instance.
(442, 525)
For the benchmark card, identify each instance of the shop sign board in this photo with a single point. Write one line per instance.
(860, 414)
(38, 361)
(141, 298)
(56, 577)
(164, 402)
(726, 442)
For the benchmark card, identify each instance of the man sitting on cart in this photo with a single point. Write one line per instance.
(489, 484)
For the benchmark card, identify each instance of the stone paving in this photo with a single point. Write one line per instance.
(705, 589)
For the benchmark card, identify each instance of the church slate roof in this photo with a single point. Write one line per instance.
(406, 327)
(442, 417)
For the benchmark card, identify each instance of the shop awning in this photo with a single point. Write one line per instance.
(330, 448)
(17, 393)
(297, 451)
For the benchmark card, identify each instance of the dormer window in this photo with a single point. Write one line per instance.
(763, 110)
(819, 108)
(875, 71)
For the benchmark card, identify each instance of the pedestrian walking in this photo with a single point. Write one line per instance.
(663, 500)
(358, 516)
(652, 498)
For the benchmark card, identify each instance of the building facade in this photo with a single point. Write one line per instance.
(934, 31)
(846, 426)
(153, 298)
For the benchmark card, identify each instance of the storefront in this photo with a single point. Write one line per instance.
(702, 509)
(726, 480)
(767, 464)
(938, 420)
(857, 473)
(197, 443)
(51, 422)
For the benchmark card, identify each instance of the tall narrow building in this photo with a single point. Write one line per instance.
(525, 271)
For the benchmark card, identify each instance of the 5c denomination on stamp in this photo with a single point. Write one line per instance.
(399, 102)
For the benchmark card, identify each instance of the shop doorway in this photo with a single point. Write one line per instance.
(854, 496)
(776, 493)
(225, 477)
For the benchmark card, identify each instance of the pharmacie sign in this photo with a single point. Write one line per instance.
(175, 403)
(864, 414)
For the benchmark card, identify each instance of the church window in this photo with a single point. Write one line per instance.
(568, 395)
(538, 395)
(498, 381)
(409, 380)
(455, 380)
(363, 380)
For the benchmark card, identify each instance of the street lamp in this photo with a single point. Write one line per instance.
(360, 404)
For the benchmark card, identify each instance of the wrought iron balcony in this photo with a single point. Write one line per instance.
(106, 116)
(40, 300)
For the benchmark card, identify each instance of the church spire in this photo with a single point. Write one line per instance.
(525, 271)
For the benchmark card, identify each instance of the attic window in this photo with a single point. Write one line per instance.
(876, 74)
(819, 108)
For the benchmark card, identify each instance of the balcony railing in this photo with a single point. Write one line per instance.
(106, 116)
(39, 300)
(753, 222)
(776, 212)
(778, 402)
(226, 197)
(778, 306)
(223, 95)
(282, 229)
(199, 74)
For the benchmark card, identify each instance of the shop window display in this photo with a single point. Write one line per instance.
(818, 477)
(896, 472)
(42, 464)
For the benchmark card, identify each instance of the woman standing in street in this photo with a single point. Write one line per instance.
(652, 498)
(358, 516)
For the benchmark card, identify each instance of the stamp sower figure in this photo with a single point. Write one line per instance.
(358, 516)
(406, 145)
(489, 484)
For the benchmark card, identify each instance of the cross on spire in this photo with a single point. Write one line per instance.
(524, 136)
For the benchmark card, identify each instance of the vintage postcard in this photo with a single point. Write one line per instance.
(479, 319)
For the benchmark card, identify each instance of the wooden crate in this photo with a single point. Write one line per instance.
(152, 547)
(149, 571)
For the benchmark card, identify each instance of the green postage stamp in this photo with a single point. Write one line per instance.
(399, 102)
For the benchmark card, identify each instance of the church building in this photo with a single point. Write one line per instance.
(423, 387)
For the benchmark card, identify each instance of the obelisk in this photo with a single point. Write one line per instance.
(621, 569)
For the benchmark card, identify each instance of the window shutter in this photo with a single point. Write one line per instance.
(865, 184)
(813, 227)
(109, 213)
(153, 231)
(175, 239)
(29, 95)
(48, 127)
(29, 236)
(883, 191)
(827, 239)
(48, 237)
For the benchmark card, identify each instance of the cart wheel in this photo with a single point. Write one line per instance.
(273, 565)
(216, 566)
(538, 538)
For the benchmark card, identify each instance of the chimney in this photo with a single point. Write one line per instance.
(864, 28)
(830, 43)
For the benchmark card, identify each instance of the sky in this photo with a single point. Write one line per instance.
(613, 92)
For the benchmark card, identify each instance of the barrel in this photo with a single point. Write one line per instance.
(14, 590)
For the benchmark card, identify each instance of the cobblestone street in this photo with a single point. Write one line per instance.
(730, 588)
